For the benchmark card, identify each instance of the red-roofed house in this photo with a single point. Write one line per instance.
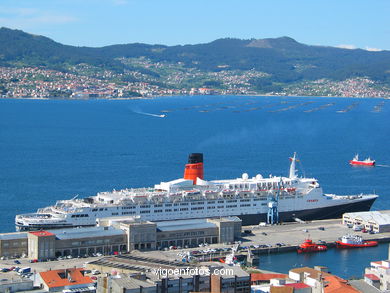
(67, 279)
(334, 284)
(371, 277)
(300, 287)
(260, 278)
(378, 270)
(373, 280)
(282, 289)
(320, 278)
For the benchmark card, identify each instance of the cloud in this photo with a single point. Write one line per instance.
(350, 47)
(30, 17)
(372, 49)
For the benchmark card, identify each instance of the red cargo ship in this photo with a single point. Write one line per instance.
(354, 241)
(310, 246)
(366, 162)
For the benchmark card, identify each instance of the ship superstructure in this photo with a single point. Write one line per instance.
(193, 197)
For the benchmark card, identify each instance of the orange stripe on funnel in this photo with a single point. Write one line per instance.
(194, 168)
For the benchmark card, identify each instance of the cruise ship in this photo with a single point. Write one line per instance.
(249, 198)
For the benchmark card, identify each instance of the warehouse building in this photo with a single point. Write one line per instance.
(120, 236)
(88, 241)
(13, 244)
(180, 233)
(55, 243)
(41, 245)
(373, 220)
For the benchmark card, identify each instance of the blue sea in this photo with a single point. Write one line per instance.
(58, 149)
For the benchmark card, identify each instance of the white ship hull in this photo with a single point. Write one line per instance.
(244, 197)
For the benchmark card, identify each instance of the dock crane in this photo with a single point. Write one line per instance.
(273, 200)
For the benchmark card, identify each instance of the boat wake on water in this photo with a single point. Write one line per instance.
(150, 114)
(386, 166)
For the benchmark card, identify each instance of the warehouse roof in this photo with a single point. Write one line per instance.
(11, 236)
(132, 283)
(381, 218)
(90, 232)
(184, 225)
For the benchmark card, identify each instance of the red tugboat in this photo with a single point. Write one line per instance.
(310, 246)
(367, 162)
(354, 241)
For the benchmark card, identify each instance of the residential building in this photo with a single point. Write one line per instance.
(67, 280)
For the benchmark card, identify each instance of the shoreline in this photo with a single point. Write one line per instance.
(184, 96)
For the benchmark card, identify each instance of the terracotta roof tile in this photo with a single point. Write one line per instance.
(266, 277)
(298, 285)
(372, 277)
(283, 289)
(67, 277)
(334, 284)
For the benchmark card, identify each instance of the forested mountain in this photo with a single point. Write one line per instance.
(284, 59)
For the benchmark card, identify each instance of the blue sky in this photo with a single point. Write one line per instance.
(349, 23)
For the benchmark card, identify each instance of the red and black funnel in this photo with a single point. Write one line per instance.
(194, 168)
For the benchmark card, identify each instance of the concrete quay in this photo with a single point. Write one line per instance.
(288, 235)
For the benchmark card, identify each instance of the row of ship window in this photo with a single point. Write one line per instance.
(177, 204)
(80, 216)
(194, 203)
(101, 209)
(185, 209)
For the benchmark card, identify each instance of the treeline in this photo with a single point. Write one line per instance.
(286, 60)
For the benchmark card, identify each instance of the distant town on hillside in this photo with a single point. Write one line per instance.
(37, 67)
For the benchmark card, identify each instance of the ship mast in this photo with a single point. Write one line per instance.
(293, 171)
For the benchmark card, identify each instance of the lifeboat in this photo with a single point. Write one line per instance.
(367, 162)
(310, 246)
(354, 241)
